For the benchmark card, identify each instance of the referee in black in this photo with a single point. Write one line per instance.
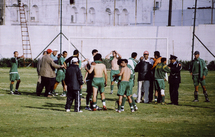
(174, 79)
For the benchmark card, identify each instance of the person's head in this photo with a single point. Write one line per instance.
(64, 54)
(156, 54)
(146, 54)
(49, 51)
(114, 53)
(172, 58)
(44, 52)
(16, 54)
(59, 55)
(74, 61)
(124, 62)
(134, 55)
(119, 61)
(98, 56)
(54, 52)
(196, 54)
(163, 60)
(76, 52)
(94, 52)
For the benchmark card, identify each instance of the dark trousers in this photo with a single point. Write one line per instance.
(151, 91)
(73, 95)
(47, 83)
(173, 90)
(89, 91)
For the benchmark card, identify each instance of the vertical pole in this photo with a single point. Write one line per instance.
(194, 25)
(154, 14)
(114, 12)
(212, 8)
(86, 12)
(60, 26)
(182, 14)
(135, 12)
(170, 13)
(81, 48)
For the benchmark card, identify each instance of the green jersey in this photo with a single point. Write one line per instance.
(198, 67)
(61, 61)
(14, 65)
(160, 71)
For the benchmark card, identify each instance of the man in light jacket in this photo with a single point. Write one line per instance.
(47, 73)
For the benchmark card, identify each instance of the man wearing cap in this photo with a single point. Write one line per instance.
(74, 82)
(144, 75)
(47, 72)
(198, 71)
(54, 54)
(174, 79)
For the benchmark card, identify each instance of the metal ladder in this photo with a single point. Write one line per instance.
(26, 46)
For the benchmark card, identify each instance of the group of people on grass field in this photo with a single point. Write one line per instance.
(53, 69)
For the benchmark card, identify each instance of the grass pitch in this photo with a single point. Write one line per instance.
(29, 115)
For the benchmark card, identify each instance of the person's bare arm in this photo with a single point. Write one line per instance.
(91, 69)
(85, 77)
(20, 57)
(119, 56)
(105, 73)
(120, 74)
(108, 56)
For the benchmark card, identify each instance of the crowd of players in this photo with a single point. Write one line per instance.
(53, 69)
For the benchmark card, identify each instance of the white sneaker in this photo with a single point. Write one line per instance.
(80, 111)
(67, 110)
(122, 109)
(135, 108)
(11, 92)
(132, 110)
(63, 95)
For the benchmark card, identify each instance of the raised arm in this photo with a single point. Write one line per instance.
(108, 56)
(119, 56)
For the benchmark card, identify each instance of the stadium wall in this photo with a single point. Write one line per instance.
(179, 40)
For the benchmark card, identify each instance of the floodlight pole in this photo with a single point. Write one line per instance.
(60, 26)
(194, 25)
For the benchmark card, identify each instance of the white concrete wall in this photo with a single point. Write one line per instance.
(179, 40)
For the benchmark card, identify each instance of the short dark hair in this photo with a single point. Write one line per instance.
(59, 55)
(163, 59)
(94, 51)
(125, 60)
(157, 53)
(15, 52)
(98, 56)
(119, 61)
(64, 52)
(75, 52)
(44, 52)
(133, 54)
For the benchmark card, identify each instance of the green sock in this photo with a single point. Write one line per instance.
(111, 87)
(133, 101)
(131, 105)
(196, 95)
(53, 91)
(163, 98)
(123, 101)
(119, 108)
(11, 87)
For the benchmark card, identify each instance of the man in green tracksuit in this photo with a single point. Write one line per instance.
(160, 71)
(198, 71)
(61, 75)
(14, 75)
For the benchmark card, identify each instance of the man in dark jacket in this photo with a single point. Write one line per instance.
(144, 74)
(74, 83)
(174, 79)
